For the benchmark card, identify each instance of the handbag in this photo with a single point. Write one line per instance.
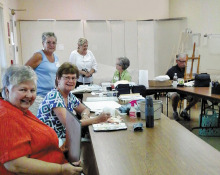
(202, 80)
(210, 119)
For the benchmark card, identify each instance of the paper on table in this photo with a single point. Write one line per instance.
(143, 78)
(95, 99)
(99, 105)
(109, 126)
(86, 88)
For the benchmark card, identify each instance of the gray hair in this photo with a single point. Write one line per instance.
(180, 55)
(82, 41)
(15, 75)
(45, 35)
(124, 62)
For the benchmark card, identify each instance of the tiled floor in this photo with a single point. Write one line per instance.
(194, 113)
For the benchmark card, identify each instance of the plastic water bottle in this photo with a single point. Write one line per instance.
(175, 80)
(149, 112)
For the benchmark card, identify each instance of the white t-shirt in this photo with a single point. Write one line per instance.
(84, 62)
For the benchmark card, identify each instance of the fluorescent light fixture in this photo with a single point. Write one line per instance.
(46, 20)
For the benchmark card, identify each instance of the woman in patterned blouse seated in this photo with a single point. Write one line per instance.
(52, 110)
(27, 146)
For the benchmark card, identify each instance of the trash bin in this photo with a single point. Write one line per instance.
(158, 104)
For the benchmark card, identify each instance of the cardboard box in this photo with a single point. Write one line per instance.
(156, 83)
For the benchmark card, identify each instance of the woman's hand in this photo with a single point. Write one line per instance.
(103, 117)
(82, 72)
(88, 74)
(68, 169)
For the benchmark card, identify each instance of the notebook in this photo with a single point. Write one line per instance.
(73, 137)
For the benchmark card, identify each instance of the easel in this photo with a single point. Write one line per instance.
(193, 58)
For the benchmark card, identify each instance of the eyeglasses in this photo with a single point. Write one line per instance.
(53, 43)
(181, 61)
(70, 78)
(118, 65)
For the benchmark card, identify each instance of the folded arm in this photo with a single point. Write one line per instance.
(25, 165)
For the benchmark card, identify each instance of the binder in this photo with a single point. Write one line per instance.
(73, 136)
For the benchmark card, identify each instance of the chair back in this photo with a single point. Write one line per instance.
(123, 89)
(139, 89)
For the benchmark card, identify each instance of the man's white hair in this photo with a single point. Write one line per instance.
(181, 55)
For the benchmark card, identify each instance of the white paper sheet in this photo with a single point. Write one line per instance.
(99, 105)
(109, 126)
(143, 78)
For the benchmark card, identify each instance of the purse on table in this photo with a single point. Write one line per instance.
(202, 80)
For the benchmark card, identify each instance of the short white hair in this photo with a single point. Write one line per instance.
(17, 74)
(181, 55)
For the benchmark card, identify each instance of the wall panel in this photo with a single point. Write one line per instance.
(148, 44)
(117, 40)
(99, 37)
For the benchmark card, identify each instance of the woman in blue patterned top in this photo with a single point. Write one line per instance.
(52, 109)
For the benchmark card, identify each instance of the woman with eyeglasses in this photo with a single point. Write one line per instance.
(52, 110)
(85, 62)
(121, 73)
(45, 63)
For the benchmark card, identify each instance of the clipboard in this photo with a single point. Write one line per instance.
(73, 137)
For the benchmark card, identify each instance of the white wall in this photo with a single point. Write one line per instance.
(93, 9)
(203, 17)
(167, 33)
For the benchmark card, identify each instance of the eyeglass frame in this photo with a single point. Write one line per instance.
(53, 43)
(67, 78)
(181, 61)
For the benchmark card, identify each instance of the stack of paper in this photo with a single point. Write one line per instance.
(86, 88)
(99, 105)
(124, 82)
(109, 126)
(130, 97)
(94, 99)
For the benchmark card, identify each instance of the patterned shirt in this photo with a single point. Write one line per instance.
(46, 114)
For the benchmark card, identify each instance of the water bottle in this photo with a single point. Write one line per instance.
(149, 112)
(175, 80)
